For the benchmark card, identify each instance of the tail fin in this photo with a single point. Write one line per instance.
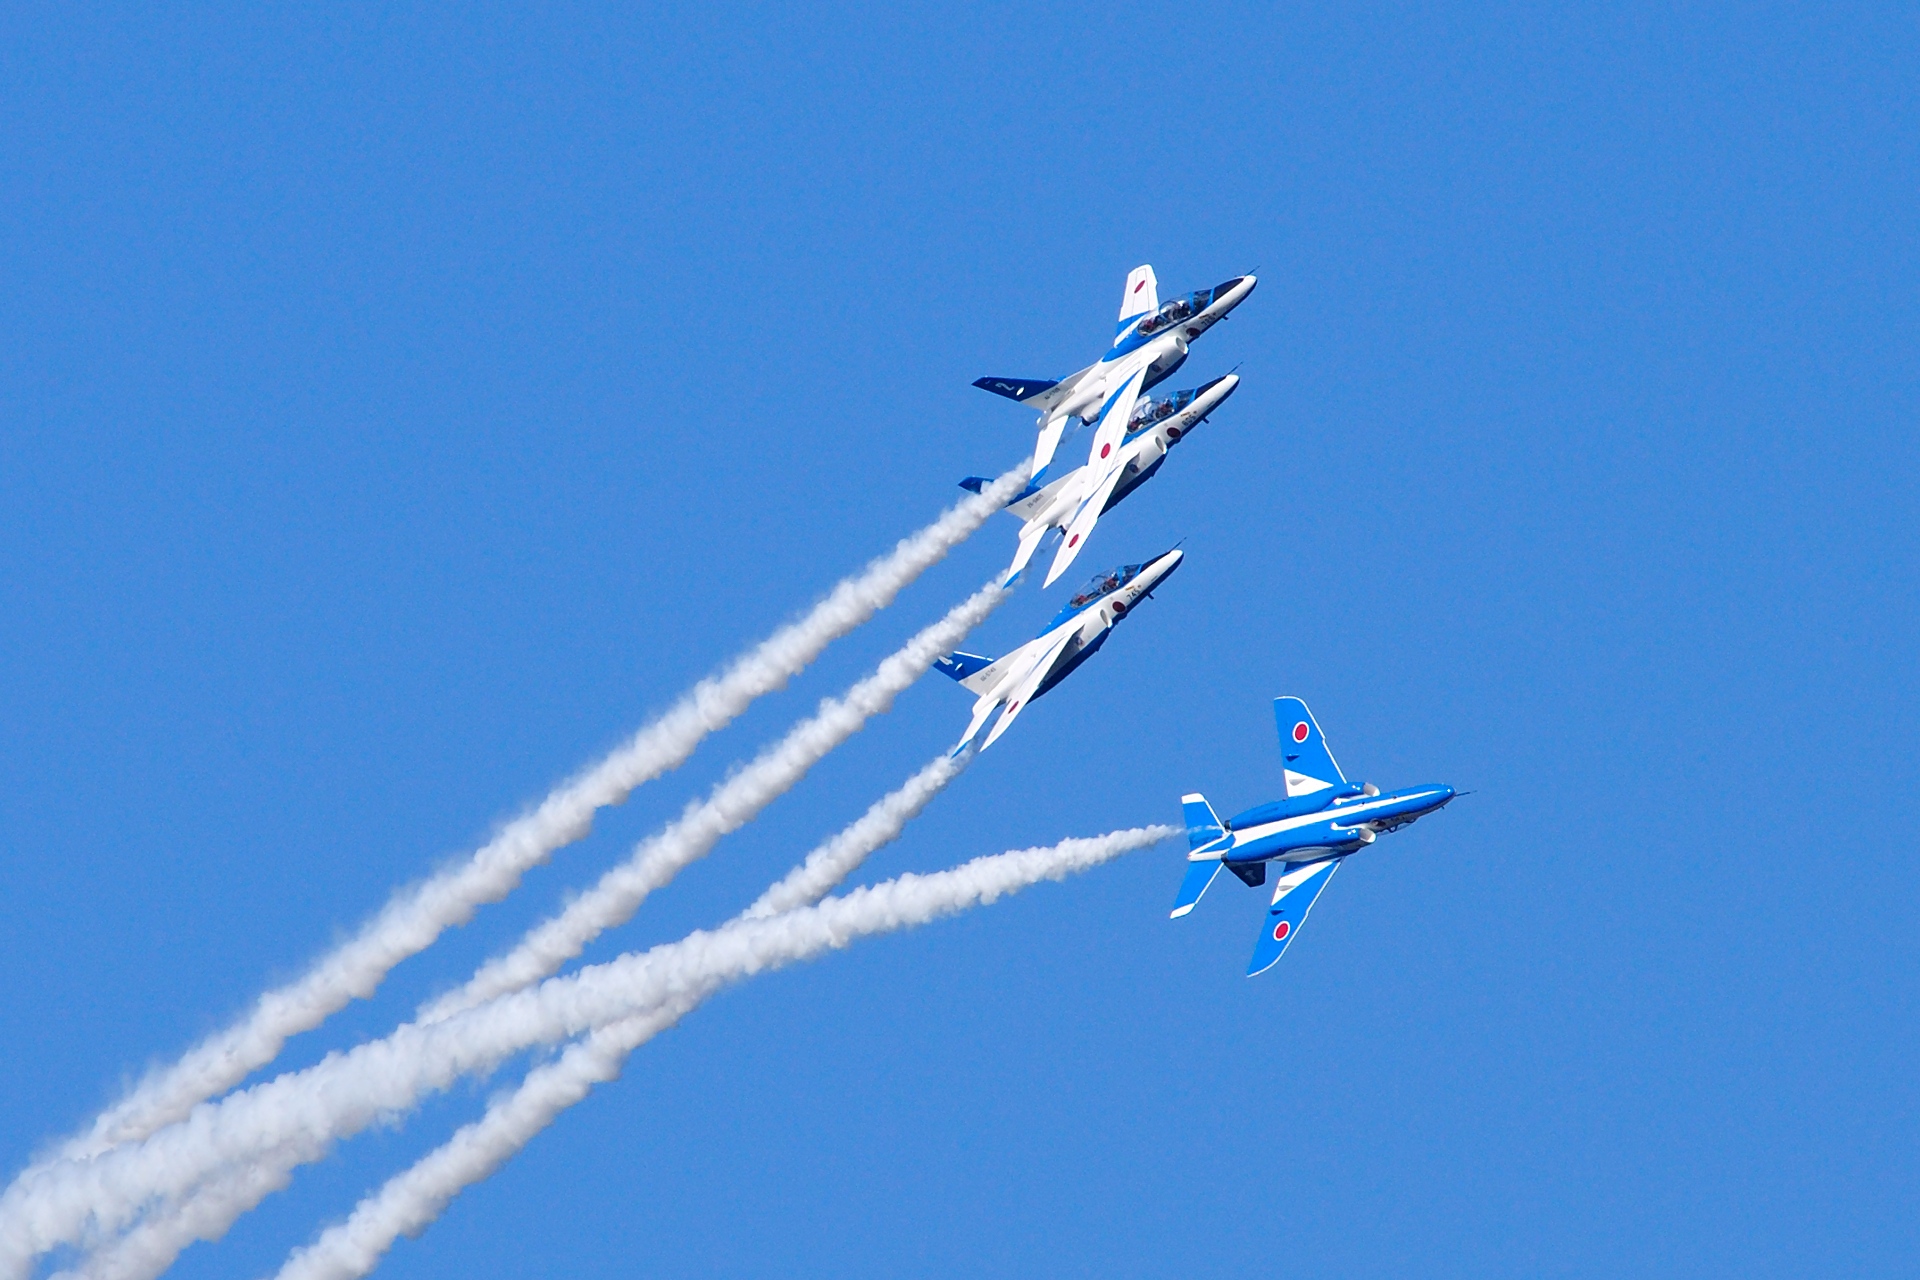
(1309, 766)
(1142, 294)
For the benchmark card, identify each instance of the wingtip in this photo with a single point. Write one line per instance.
(1254, 973)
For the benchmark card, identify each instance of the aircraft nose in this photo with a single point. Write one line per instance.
(1236, 290)
(1222, 387)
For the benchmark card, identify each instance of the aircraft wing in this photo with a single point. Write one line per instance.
(1020, 691)
(1104, 462)
(1082, 523)
(1030, 535)
(1114, 416)
(1036, 510)
(1293, 897)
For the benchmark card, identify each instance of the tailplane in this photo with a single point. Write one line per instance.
(1199, 876)
(1204, 830)
(1203, 824)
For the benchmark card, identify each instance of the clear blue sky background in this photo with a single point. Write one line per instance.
(397, 406)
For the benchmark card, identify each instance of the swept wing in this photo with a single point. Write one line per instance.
(1018, 693)
(1105, 465)
(1293, 897)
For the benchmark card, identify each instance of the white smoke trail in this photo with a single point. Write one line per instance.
(733, 803)
(418, 915)
(346, 1092)
(412, 1199)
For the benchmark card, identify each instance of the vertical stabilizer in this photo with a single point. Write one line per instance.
(1142, 294)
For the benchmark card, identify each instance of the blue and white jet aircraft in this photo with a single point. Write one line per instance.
(1065, 504)
(1323, 819)
(1150, 344)
(1075, 635)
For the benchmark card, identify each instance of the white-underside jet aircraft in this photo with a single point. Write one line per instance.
(1076, 634)
(1150, 344)
(1323, 819)
(1067, 504)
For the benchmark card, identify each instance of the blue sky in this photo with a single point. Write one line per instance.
(396, 406)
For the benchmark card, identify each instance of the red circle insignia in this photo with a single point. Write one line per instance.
(1074, 541)
(1281, 930)
(1300, 732)
(1105, 449)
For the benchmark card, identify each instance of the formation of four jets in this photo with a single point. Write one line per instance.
(1323, 818)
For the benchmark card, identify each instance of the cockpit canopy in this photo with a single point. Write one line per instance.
(1101, 584)
(1148, 412)
(1172, 313)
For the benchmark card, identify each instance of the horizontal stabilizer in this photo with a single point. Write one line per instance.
(958, 666)
(1022, 389)
(1199, 876)
(1035, 501)
(1293, 897)
(1203, 824)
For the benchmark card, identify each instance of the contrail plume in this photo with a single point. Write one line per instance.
(732, 804)
(414, 1198)
(346, 1092)
(419, 914)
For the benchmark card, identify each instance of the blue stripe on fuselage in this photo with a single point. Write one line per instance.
(1331, 828)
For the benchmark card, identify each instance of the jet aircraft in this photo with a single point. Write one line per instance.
(1075, 634)
(1322, 820)
(1066, 504)
(1150, 344)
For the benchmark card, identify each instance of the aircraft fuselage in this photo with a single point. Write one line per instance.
(1346, 823)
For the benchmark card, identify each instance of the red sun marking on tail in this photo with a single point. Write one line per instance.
(1281, 930)
(1139, 285)
(1300, 732)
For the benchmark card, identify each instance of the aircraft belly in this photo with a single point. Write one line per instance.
(1297, 844)
(1126, 487)
(1159, 373)
(1075, 653)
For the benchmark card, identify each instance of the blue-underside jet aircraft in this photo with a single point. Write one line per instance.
(1065, 504)
(1075, 634)
(1150, 343)
(1323, 819)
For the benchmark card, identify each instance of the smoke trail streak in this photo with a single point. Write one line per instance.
(346, 1092)
(732, 804)
(415, 917)
(413, 1198)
